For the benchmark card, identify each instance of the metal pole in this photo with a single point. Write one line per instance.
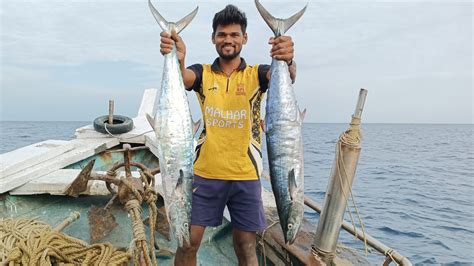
(342, 176)
(372, 242)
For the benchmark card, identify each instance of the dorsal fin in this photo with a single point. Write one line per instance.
(279, 26)
(165, 25)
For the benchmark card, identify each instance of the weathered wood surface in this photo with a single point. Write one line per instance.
(55, 183)
(29, 156)
(82, 148)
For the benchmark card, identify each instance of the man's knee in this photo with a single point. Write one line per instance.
(246, 249)
(245, 243)
(195, 241)
(191, 247)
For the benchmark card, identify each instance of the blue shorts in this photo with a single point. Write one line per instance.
(243, 199)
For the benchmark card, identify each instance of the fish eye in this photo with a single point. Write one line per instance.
(290, 226)
(185, 225)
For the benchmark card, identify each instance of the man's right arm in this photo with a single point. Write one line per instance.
(166, 46)
(188, 77)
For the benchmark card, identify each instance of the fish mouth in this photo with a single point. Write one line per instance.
(290, 238)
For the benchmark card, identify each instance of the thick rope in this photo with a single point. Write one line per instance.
(262, 240)
(134, 209)
(31, 242)
(351, 138)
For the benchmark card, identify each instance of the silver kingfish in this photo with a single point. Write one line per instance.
(283, 121)
(175, 137)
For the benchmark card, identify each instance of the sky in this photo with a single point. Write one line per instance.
(63, 60)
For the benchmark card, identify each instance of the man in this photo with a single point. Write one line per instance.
(228, 160)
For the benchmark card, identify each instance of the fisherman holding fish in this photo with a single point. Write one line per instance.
(228, 160)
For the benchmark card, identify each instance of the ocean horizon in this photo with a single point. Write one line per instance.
(414, 182)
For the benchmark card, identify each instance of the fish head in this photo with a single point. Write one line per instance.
(293, 223)
(180, 223)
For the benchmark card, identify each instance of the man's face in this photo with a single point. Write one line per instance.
(229, 40)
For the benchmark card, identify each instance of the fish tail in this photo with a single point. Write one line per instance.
(279, 26)
(165, 25)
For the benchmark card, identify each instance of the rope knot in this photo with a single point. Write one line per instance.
(111, 173)
(150, 196)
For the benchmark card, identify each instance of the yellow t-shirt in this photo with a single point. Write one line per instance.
(229, 148)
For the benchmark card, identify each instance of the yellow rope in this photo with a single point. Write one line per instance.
(31, 242)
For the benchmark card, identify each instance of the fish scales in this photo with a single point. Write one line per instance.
(173, 127)
(283, 122)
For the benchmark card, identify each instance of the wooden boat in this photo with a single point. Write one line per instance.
(35, 179)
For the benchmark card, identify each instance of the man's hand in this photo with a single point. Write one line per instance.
(282, 48)
(166, 45)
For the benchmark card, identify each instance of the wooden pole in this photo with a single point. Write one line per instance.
(111, 112)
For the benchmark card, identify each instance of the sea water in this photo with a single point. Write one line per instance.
(414, 184)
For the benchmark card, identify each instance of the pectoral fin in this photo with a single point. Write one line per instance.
(292, 187)
(178, 190)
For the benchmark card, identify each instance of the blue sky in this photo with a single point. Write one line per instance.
(63, 60)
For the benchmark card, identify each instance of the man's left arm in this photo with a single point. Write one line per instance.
(283, 49)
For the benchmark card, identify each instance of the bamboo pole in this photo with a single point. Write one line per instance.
(342, 176)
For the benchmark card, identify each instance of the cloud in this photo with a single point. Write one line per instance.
(113, 46)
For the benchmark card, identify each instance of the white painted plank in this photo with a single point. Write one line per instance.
(147, 105)
(84, 148)
(55, 183)
(29, 156)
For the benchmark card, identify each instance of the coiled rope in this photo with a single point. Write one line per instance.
(32, 242)
(351, 137)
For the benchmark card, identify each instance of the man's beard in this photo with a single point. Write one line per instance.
(228, 57)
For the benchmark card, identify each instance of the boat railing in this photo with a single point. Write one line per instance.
(388, 252)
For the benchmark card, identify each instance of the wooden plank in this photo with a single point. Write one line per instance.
(55, 183)
(29, 156)
(82, 149)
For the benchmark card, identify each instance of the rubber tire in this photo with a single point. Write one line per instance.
(122, 124)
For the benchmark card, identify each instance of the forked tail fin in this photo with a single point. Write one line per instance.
(279, 26)
(165, 25)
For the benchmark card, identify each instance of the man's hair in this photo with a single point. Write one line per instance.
(229, 15)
